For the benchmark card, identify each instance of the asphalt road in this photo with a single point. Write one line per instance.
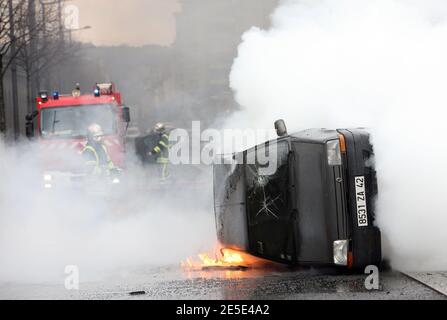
(171, 283)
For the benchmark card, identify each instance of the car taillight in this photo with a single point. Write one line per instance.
(350, 260)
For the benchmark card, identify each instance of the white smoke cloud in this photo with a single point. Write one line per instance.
(41, 232)
(380, 64)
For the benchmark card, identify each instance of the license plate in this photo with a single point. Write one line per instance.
(362, 213)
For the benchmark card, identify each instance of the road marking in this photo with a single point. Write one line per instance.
(436, 281)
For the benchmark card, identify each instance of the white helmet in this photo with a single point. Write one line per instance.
(95, 131)
(159, 127)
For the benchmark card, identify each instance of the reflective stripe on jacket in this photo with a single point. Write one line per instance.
(95, 161)
(162, 149)
(163, 144)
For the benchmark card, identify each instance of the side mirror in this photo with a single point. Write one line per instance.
(281, 129)
(31, 116)
(30, 124)
(126, 114)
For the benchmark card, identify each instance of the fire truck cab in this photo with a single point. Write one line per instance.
(62, 122)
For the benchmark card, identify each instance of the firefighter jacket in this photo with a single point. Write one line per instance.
(161, 150)
(97, 158)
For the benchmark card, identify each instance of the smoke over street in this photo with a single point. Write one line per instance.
(42, 231)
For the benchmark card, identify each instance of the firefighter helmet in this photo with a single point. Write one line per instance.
(159, 127)
(95, 131)
(77, 91)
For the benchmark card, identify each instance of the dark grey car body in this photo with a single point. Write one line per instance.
(294, 215)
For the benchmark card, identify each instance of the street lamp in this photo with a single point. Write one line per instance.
(61, 28)
(70, 31)
(78, 29)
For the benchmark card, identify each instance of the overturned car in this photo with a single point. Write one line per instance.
(316, 208)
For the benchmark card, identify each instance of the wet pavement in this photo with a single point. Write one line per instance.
(171, 283)
(435, 280)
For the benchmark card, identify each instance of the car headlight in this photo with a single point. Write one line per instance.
(47, 178)
(341, 252)
(334, 153)
(116, 181)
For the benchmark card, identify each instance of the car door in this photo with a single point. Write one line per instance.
(269, 214)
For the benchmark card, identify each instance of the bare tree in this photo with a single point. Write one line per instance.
(14, 83)
(8, 17)
(37, 52)
(31, 39)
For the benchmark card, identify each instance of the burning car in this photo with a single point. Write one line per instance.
(317, 208)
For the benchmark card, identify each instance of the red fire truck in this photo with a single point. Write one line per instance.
(62, 123)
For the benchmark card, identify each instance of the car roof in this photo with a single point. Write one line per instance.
(315, 135)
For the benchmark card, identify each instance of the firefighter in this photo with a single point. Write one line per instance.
(97, 158)
(161, 150)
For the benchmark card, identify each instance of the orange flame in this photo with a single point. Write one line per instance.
(225, 258)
